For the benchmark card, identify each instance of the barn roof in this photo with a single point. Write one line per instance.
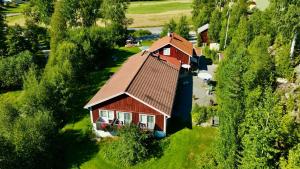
(174, 40)
(203, 28)
(145, 78)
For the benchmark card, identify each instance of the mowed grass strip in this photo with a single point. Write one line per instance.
(158, 7)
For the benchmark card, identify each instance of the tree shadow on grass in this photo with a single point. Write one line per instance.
(75, 148)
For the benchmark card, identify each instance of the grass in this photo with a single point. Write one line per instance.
(18, 9)
(158, 7)
(184, 151)
(157, 13)
(13, 20)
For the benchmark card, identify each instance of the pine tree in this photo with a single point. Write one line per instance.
(215, 26)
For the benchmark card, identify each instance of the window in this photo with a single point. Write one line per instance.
(148, 120)
(125, 117)
(106, 115)
(167, 51)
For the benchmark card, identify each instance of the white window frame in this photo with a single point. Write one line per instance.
(122, 120)
(147, 123)
(167, 51)
(108, 113)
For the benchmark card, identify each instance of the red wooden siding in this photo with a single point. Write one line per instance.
(176, 53)
(126, 103)
(204, 37)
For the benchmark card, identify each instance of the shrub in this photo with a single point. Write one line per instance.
(141, 33)
(13, 68)
(130, 148)
(211, 54)
(199, 114)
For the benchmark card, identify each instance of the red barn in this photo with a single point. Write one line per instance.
(141, 92)
(203, 33)
(174, 49)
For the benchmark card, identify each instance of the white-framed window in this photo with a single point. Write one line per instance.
(148, 120)
(106, 115)
(167, 51)
(124, 117)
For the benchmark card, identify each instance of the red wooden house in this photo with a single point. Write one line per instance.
(141, 92)
(174, 49)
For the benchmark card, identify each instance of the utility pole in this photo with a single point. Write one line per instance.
(228, 13)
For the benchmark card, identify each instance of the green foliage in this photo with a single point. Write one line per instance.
(211, 54)
(130, 148)
(202, 10)
(293, 159)
(2, 33)
(183, 28)
(13, 68)
(16, 40)
(81, 13)
(141, 33)
(26, 137)
(215, 25)
(114, 12)
(169, 27)
(201, 114)
(58, 26)
(40, 10)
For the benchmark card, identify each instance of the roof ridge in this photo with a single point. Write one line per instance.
(143, 52)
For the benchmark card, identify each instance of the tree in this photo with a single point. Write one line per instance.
(81, 13)
(41, 10)
(215, 25)
(183, 28)
(13, 68)
(2, 34)
(114, 11)
(130, 148)
(58, 26)
(16, 41)
(168, 28)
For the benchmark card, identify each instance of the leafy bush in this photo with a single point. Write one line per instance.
(12, 69)
(201, 114)
(141, 33)
(130, 148)
(211, 54)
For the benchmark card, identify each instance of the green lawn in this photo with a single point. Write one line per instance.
(184, 151)
(157, 7)
(18, 9)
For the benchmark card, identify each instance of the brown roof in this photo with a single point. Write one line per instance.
(174, 40)
(144, 78)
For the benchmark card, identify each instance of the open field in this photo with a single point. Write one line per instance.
(157, 13)
(13, 20)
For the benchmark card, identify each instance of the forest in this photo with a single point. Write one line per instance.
(52, 57)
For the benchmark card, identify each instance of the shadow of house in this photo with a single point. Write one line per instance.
(181, 115)
(203, 62)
